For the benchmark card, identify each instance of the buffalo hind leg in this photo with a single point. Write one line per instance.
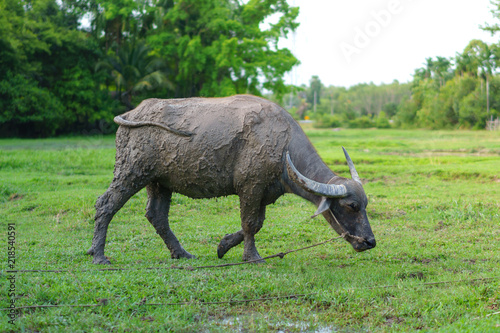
(107, 205)
(159, 199)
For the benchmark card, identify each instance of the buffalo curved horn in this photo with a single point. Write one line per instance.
(352, 169)
(324, 190)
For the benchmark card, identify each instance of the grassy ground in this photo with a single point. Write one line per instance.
(434, 208)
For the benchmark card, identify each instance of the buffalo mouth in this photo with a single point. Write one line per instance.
(360, 246)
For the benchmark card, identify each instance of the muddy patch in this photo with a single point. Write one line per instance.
(412, 275)
(390, 320)
(15, 197)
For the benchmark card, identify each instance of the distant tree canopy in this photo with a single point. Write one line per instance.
(459, 92)
(462, 92)
(357, 106)
(66, 65)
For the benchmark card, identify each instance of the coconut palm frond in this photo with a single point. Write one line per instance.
(134, 69)
(153, 80)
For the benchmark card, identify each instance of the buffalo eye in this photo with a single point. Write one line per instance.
(354, 206)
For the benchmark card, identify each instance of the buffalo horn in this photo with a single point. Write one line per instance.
(352, 169)
(324, 190)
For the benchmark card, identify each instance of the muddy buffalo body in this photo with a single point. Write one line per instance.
(212, 147)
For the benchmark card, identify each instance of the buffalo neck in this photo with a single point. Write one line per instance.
(308, 162)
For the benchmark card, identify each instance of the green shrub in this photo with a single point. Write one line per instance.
(327, 121)
(382, 121)
(361, 122)
(25, 107)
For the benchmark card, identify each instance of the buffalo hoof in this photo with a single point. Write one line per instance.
(222, 248)
(184, 254)
(254, 258)
(101, 260)
(228, 242)
(221, 252)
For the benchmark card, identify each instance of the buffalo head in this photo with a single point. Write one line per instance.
(343, 204)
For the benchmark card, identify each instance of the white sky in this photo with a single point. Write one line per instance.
(329, 45)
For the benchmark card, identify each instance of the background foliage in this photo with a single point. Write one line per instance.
(68, 66)
(458, 93)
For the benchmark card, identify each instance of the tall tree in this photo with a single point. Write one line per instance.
(493, 28)
(465, 64)
(485, 62)
(220, 47)
(314, 91)
(439, 70)
(47, 80)
(442, 70)
(115, 22)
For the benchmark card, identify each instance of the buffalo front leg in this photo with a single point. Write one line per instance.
(231, 240)
(228, 242)
(107, 205)
(159, 199)
(252, 218)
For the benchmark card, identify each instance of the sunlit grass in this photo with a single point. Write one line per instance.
(434, 208)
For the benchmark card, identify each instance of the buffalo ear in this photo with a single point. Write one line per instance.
(323, 206)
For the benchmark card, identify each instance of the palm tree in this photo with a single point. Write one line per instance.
(429, 68)
(133, 70)
(438, 70)
(482, 61)
(465, 64)
(441, 69)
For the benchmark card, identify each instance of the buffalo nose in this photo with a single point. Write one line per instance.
(371, 243)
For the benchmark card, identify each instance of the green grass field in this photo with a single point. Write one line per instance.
(434, 208)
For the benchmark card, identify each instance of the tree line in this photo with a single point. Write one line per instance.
(462, 92)
(68, 66)
(360, 106)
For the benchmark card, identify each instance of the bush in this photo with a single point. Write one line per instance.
(361, 122)
(327, 121)
(27, 109)
(407, 114)
(85, 103)
(382, 121)
(74, 105)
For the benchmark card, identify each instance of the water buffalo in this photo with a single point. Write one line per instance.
(212, 147)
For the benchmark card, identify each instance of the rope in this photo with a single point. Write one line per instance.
(346, 235)
(189, 268)
(281, 255)
(103, 302)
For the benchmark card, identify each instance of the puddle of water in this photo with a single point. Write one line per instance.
(239, 324)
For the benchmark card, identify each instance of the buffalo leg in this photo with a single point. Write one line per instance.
(108, 204)
(231, 240)
(159, 199)
(252, 218)
(228, 242)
